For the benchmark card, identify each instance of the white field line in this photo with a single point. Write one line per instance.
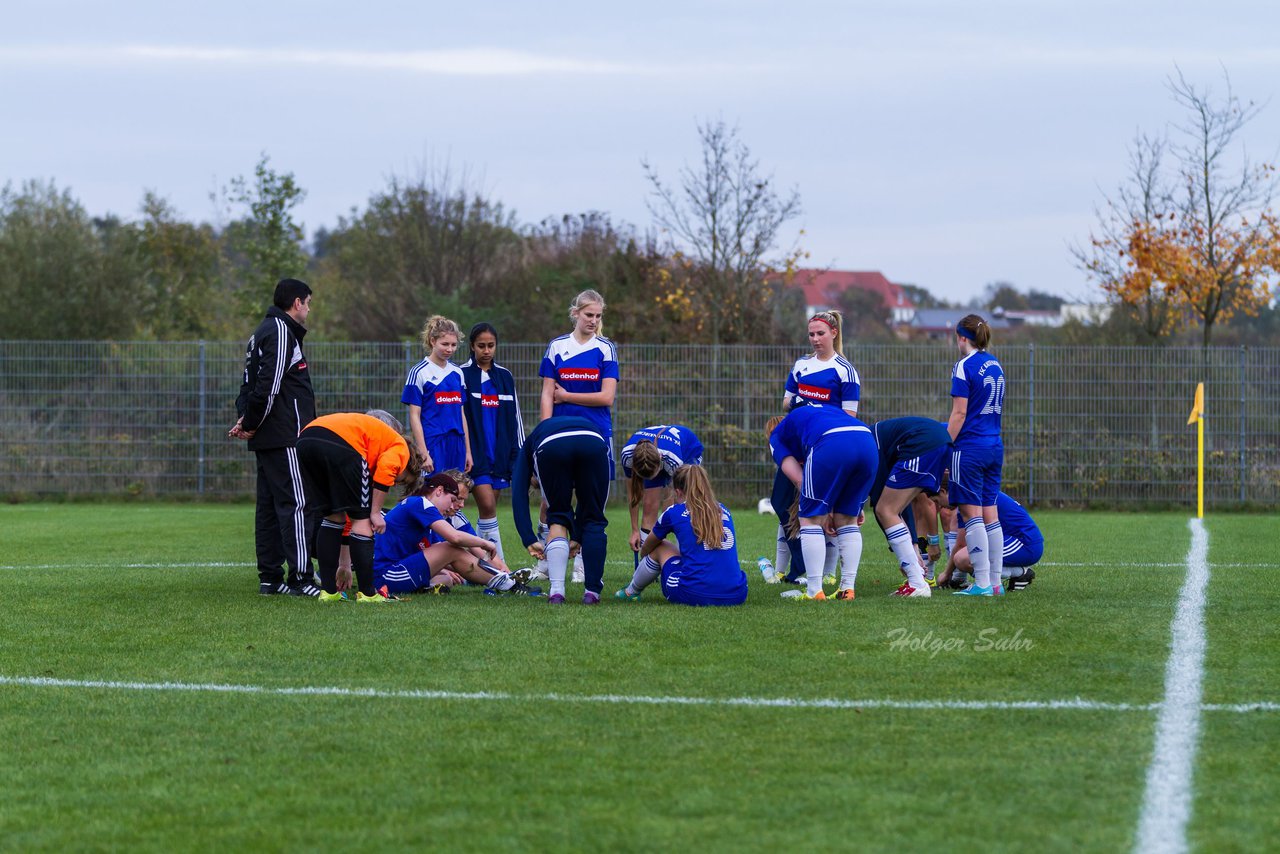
(1076, 704)
(1166, 805)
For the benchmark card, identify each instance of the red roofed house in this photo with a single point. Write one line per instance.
(822, 289)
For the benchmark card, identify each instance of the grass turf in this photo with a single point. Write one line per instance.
(158, 594)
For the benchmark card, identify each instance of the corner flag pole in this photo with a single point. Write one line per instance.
(1197, 418)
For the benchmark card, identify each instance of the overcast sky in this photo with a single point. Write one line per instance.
(945, 144)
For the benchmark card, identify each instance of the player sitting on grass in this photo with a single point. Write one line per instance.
(701, 567)
(480, 572)
(403, 566)
(1023, 547)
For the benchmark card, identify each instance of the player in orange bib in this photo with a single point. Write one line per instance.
(349, 462)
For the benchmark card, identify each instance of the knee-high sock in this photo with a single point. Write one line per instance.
(362, 562)
(975, 535)
(646, 573)
(782, 554)
(488, 528)
(328, 549)
(995, 543)
(849, 542)
(813, 543)
(557, 563)
(595, 547)
(830, 558)
(900, 541)
(951, 543)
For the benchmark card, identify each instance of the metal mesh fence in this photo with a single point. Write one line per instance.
(1082, 425)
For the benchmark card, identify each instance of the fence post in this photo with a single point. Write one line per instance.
(1031, 425)
(1243, 468)
(203, 405)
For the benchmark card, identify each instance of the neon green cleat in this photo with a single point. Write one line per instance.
(334, 597)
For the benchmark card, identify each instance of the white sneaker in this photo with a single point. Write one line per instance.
(579, 574)
(540, 572)
(906, 591)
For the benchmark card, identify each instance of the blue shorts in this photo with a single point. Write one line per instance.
(448, 451)
(405, 575)
(922, 472)
(671, 571)
(496, 482)
(975, 476)
(839, 473)
(1018, 553)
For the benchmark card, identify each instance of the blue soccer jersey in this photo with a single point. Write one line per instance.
(804, 427)
(407, 523)
(678, 446)
(459, 523)
(830, 383)
(489, 406)
(705, 572)
(979, 378)
(440, 393)
(1016, 522)
(582, 368)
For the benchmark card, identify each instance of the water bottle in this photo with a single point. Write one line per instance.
(766, 569)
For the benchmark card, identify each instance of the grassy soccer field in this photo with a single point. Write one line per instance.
(151, 699)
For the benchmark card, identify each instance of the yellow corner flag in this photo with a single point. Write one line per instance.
(1197, 408)
(1197, 418)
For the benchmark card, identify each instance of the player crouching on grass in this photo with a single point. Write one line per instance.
(349, 462)
(702, 567)
(442, 548)
(1023, 547)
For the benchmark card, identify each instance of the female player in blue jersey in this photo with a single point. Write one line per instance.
(977, 458)
(403, 564)
(913, 454)
(823, 377)
(649, 459)
(434, 391)
(701, 567)
(580, 370)
(493, 427)
(831, 458)
(1023, 548)
(570, 458)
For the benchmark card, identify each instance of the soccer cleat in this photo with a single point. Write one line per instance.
(590, 598)
(803, 596)
(269, 588)
(626, 597)
(906, 591)
(522, 576)
(798, 580)
(555, 599)
(1022, 582)
(828, 581)
(340, 596)
(540, 572)
(997, 590)
(579, 572)
(379, 595)
(845, 595)
(522, 589)
(437, 589)
(974, 590)
(303, 590)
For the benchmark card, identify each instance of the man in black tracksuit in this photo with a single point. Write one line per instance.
(276, 401)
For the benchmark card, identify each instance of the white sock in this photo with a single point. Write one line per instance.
(951, 543)
(488, 529)
(900, 541)
(646, 573)
(557, 552)
(813, 545)
(975, 534)
(782, 556)
(995, 543)
(501, 581)
(849, 541)
(1013, 571)
(830, 558)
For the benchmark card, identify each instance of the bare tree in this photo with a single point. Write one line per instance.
(723, 218)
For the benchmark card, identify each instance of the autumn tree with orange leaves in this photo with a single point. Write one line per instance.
(1191, 235)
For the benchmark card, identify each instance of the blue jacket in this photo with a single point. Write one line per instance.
(510, 430)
